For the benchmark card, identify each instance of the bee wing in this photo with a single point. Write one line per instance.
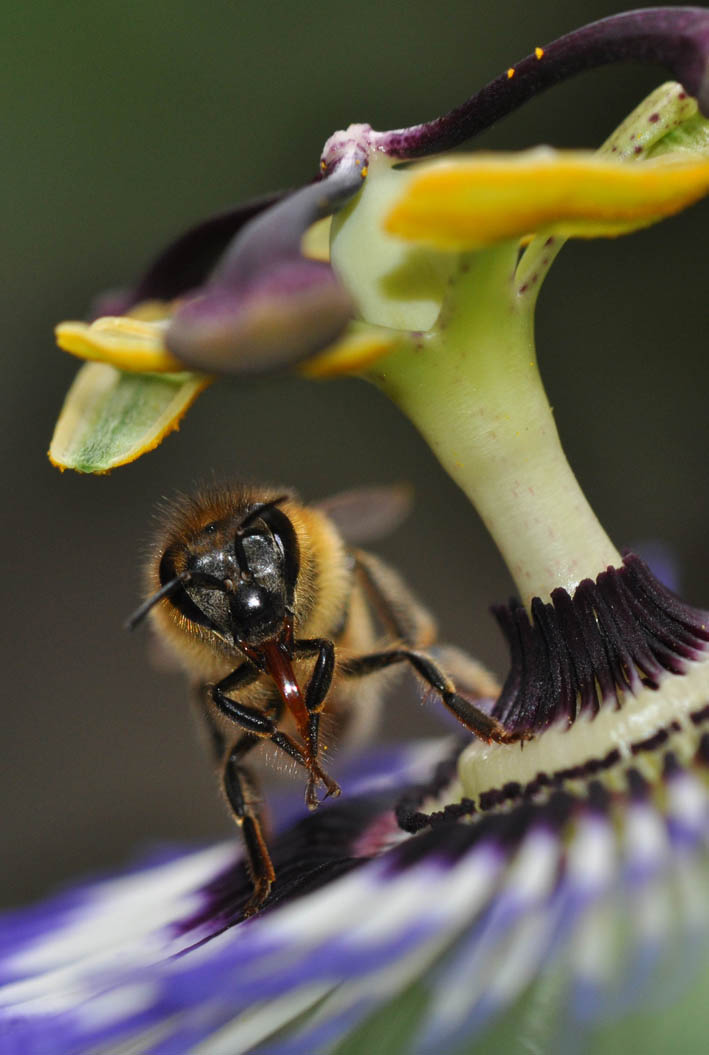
(368, 513)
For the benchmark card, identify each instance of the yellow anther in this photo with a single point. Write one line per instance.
(539, 52)
(510, 73)
(365, 170)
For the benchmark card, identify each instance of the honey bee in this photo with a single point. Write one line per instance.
(276, 617)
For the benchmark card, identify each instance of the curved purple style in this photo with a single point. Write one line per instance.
(674, 37)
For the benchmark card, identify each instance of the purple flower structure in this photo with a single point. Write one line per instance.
(545, 919)
(545, 895)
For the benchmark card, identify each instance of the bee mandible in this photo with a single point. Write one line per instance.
(276, 617)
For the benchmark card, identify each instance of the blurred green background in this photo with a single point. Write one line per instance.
(123, 122)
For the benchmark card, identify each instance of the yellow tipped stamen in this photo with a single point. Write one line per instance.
(126, 342)
(539, 52)
(510, 73)
(352, 354)
(473, 202)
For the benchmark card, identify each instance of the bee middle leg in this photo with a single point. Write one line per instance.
(473, 718)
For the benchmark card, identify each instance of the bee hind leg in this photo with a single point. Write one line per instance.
(473, 718)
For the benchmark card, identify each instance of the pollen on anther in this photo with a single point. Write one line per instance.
(510, 73)
(539, 52)
(364, 172)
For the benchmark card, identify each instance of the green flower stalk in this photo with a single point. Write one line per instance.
(469, 380)
(487, 418)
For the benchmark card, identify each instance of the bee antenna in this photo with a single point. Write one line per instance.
(140, 613)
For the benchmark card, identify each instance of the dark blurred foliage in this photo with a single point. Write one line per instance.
(125, 122)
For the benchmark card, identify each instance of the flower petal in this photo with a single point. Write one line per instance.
(473, 202)
(110, 418)
(125, 342)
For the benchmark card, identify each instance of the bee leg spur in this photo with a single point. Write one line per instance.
(319, 776)
(473, 718)
(240, 791)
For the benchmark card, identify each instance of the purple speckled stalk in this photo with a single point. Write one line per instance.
(674, 37)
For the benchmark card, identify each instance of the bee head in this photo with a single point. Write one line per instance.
(236, 579)
(236, 576)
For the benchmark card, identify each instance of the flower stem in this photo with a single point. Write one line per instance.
(473, 389)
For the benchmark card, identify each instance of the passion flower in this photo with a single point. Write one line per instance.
(461, 896)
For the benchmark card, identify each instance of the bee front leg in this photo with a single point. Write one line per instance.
(262, 725)
(315, 696)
